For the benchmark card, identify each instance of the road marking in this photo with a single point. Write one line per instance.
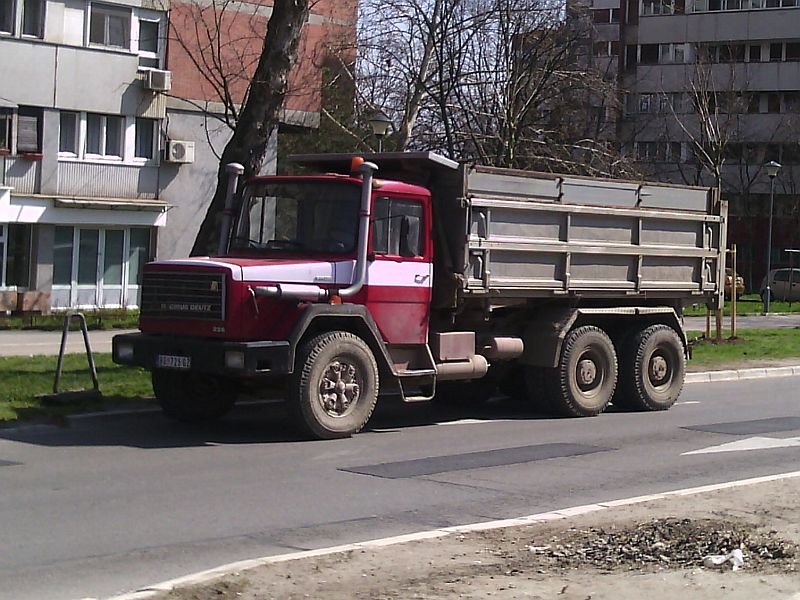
(752, 443)
(237, 567)
(690, 402)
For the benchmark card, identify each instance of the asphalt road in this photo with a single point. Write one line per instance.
(108, 506)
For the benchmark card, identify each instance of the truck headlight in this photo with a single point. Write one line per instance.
(125, 351)
(234, 359)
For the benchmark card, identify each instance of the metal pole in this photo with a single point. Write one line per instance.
(767, 291)
(733, 293)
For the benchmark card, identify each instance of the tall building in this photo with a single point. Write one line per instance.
(723, 75)
(110, 137)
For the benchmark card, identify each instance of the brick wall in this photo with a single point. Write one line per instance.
(205, 42)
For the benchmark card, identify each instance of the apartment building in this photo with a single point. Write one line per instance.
(109, 139)
(732, 64)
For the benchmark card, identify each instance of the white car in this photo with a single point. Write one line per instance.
(784, 285)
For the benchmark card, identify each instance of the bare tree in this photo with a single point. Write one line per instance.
(498, 81)
(247, 71)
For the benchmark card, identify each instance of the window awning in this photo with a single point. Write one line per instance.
(101, 204)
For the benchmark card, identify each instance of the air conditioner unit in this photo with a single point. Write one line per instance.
(179, 152)
(158, 81)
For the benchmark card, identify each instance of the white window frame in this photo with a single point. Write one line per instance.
(103, 155)
(153, 144)
(13, 22)
(98, 8)
(127, 287)
(21, 20)
(127, 141)
(147, 54)
(76, 142)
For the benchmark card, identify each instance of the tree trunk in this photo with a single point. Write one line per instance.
(259, 115)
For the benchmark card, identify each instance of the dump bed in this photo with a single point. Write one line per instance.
(538, 234)
(502, 233)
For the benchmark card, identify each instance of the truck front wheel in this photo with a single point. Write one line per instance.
(653, 370)
(334, 387)
(583, 382)
(190, 397)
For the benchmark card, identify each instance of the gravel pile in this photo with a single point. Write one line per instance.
(661, 543)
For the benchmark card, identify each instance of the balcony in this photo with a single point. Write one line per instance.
(107, 180)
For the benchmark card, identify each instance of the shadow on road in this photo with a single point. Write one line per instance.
(255, 423)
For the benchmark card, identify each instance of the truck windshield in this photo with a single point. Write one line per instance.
(298, 217)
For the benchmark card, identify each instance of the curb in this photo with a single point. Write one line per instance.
(741, 374)
(245, 565)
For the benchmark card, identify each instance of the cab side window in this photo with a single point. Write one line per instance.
(397, 227)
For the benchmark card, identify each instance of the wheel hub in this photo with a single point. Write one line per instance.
(658, 369)
(587, 373)
(339, 388)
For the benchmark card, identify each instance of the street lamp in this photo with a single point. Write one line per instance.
(772, 168)
(380, 125)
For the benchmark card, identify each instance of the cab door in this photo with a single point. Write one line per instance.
(400, 272)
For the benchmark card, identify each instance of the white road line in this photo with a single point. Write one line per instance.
(747, 444)
(212, 574)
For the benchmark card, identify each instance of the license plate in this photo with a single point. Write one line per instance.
(169, 361)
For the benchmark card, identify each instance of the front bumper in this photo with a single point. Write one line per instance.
(207, 356)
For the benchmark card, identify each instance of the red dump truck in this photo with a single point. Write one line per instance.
(411, 272)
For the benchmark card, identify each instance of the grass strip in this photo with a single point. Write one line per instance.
(97, 319)
(749, 345)
(23, 378)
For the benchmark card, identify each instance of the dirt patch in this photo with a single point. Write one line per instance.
(652, 550)
(660, 544)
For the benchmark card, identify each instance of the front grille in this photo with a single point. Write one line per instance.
(178, 295)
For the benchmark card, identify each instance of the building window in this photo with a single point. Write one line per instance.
(755, 53)
(15, 252)
(68, 133)
(776, 52)
(29, 130)
(148, 44)
(145, 138)
(792, 51)
(7, 16)
(110, 26)
(33, 18)
(648, 54)
(6, 117)
(104, 135)
(99, 267)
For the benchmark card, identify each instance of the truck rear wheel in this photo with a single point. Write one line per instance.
(653, 371)
(334, 387)
(583, 382)
(190, 397)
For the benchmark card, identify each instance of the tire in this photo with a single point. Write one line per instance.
(652, 370)
(191, 397)
(334, 387)
(583, 382)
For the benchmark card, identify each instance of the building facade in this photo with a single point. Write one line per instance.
(713, 77)
(109, 140)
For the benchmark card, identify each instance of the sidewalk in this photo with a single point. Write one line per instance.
(649, 547)
(33, 342)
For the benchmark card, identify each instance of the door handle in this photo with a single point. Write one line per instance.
(421, 278)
